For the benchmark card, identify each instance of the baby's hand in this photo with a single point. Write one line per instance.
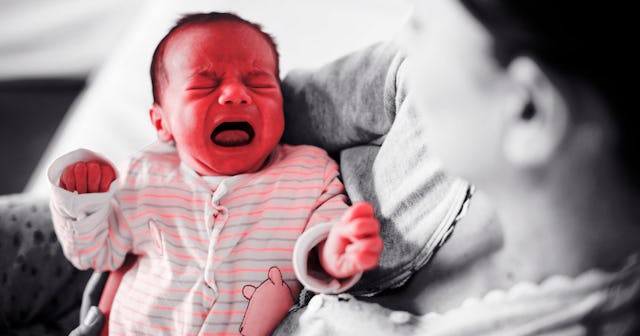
(84, 177)
(354, 244)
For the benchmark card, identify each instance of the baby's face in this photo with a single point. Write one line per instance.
(222, 101)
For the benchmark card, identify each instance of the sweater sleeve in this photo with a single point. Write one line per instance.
(345, 103)
(89, 226)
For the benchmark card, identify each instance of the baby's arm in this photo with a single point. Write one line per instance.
(340, 242)
(85, 217)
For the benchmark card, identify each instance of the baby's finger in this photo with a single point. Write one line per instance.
(61, 184)
(363, 247)
(364, 254)
(362, 209)
(360, 228)
(373, 244)
(67, 179)
(108, 175)
(94, 176)
(369, 261)
(80, 173)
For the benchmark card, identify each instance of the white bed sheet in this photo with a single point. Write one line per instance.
(111, 116)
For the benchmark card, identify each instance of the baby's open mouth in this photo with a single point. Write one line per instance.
(233, 134)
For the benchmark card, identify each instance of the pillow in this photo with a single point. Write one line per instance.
(111, 116)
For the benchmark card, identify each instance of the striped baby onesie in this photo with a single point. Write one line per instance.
(205, 245)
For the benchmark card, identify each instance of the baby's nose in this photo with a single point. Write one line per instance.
(234, 93)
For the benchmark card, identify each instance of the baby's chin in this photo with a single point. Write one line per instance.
(228, 166)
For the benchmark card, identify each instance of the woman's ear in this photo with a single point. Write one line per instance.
(536, 117)
(162, 127)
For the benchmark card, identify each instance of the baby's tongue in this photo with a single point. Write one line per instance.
(231, 137)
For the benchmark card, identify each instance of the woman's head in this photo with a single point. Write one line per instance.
(587, 40)
(512, 87)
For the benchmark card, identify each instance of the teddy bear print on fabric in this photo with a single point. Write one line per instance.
(268, 304)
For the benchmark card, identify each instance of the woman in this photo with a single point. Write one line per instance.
(528, 103)
(525, 100)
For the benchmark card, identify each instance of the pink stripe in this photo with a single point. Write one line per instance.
(164, 215)
(141, 234)
(290, 172)
(156, 180)
(282, 249)
(132, 299)
(185, 237)
(183, 256)
(269, 209)
(87, 237)
(115, 240)
(131, 198)
(95, 259)
(165, 308)
(172, 270)
(245, 233)
(158, 156)
(323, 218)
(150, 276)
(271, 191)
(175, 271)
(123, 226)
(251, 270)
(157, 167)
(107, 257)
(152, 284)
(260, 175)
(307, 161)
(90, 249)
(175, 235)
(137, 322)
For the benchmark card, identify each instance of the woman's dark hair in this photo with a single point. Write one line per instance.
(157, 70)
(588, 39)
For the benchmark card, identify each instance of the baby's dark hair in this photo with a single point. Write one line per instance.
(158, 72)
(591, 40)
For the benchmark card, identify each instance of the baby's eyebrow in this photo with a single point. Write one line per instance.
(204, 73)
(257, 73)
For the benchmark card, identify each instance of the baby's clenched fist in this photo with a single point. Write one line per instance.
(87, 177)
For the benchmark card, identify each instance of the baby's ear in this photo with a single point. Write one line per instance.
(537, 118)
(156, 114)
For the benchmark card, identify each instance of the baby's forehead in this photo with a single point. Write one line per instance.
(224, 27)
(247, 36)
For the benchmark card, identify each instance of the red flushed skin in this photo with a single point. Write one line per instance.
(87, 177)
(219, 72)
(354, 244)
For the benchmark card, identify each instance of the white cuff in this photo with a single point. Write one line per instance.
(64, 200)
(318, 283)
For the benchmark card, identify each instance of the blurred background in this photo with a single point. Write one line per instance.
(47, 51)
(74, 73)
